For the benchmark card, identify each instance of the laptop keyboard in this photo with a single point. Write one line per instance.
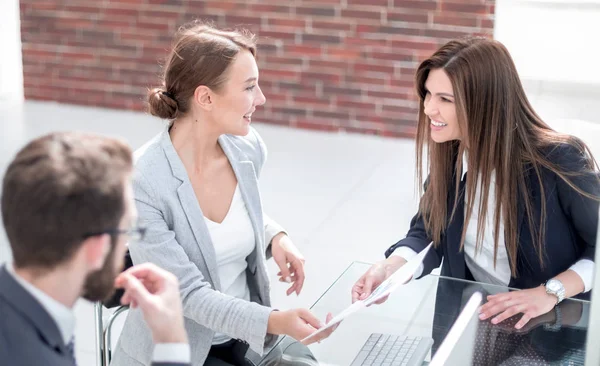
(392, 350)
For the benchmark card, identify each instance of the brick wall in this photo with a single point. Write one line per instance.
(325, 64)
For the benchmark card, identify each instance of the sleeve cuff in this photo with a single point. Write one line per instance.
(408, 254)
(585, 269)
(172, 352)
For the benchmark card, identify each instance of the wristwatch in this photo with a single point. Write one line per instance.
(556, 288)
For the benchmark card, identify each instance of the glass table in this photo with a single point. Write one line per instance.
(428, 307)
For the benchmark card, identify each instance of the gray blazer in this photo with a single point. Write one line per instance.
(178, 240)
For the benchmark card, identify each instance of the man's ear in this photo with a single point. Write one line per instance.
(95, 250)
(203, 97)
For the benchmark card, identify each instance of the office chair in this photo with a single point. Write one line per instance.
(103, 334)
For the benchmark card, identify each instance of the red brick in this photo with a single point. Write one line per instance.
(341, 90)
(233, 20)
(296, 24)
(135, 2)
(311, 100)
(362, 14)
(275, 60)
(301, 112)
(369, 2)
(177, 3)
(321, 38)
(463, 8)
(349, 102)
(391, 109)
(362, 41)
(487, 23)
(270, 8)
(159, 26)
(387, 94)
(332, 25)
(322, 64)
(112, 11)
(211, 6)
(294, 86)
(338, 114)
(455, 19)
(370, 67)
(316, 11)
(417, 4)
(366, 80)
(321, 124)
(404, 16)
(412, 30)
(403, 83)
(287, 36)
(414, 44)
(303, 50)
(279, 74)
(391, 56)
(164, 16)
(444, 34)
(343, 53)
(321, 76)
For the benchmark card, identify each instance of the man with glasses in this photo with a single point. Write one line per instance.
(67, 208)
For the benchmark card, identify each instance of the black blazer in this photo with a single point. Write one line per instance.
(571, 226)
(28, 334)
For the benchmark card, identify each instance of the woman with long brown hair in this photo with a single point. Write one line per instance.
(508, 200)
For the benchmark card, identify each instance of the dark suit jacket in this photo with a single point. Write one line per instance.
(571, 225)
(28, 334)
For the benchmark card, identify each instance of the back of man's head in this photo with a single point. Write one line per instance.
(59, 188)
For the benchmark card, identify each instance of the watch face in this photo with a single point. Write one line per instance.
(553, 286)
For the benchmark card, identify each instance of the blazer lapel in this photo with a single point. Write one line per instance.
(248, 183)
(193, 212)
(22, 301)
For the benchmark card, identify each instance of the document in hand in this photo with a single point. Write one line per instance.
(400, 277)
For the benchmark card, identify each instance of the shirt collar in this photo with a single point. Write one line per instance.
(62, 315)
(464, 165)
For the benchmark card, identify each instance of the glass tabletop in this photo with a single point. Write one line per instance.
(427, 307)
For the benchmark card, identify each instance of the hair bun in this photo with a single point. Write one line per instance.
(162, 104)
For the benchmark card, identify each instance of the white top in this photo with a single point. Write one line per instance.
(234, 241)
(484, 258)
(65, 321)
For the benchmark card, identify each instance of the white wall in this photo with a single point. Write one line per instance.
(11, 69)
(552, 39)
(554, 44)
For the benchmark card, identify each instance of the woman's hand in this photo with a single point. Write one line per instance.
(299, 324)
(378, 273)
(290, 262)
(531, 303)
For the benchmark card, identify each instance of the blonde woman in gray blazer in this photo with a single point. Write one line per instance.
(198, 176)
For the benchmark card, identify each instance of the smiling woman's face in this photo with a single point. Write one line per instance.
(440, 108)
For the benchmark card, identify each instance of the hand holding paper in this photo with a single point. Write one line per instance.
(400, 277)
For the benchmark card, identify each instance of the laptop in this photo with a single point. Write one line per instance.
(455, 350)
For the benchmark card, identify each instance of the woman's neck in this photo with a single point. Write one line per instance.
(195, 141)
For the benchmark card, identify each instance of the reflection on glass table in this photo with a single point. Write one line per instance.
(429, 306)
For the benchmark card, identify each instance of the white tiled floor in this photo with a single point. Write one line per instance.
(342, 197)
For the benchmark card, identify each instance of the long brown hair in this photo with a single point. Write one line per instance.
(201, 55)
(503, 135)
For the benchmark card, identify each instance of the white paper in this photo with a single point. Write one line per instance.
(398, 278)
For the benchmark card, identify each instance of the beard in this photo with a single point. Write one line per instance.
(100, 285)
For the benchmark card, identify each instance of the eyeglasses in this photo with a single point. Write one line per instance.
(136, 233)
